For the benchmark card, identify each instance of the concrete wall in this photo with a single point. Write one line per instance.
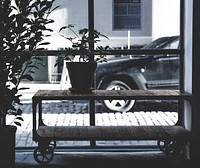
(159, 18)
(192, 82)
(75, 12)
(104, 23)
(165, 18)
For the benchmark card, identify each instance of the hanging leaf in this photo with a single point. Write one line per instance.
(19, 118)
(17, 123)
(20, 36)
(45, 43)
(24, 88)
(28, 77)
(19, 111)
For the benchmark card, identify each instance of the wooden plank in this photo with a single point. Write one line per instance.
(110, 94)
(113, 132)
(110, 132)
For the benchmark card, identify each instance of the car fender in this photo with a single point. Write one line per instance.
(136, 80)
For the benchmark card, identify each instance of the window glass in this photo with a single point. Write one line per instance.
(173, 45)
(134, 24)
(73, 12)
(129, 24)
(126, 15)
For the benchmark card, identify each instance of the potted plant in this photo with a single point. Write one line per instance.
(23, 24)
(81, 62)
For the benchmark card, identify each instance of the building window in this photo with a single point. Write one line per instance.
(127, 14)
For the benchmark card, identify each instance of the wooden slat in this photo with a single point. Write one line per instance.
(110, 94)
(113, 132)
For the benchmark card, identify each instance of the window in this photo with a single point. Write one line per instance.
(127, 14)
(173, 45)
(124, 15)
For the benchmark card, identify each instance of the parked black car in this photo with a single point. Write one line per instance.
(139, 72)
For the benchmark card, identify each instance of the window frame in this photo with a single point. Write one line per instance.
(179, 51)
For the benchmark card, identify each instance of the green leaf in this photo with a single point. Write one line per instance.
(55, 8)
(62, 28)
(17, 123)
(31, 72)
(14, 80)
(35, 14)
(50, 30)
(33, 66)
(24, 88)
(14, 90)
(19, 111)
(19, 118)
(12, 108)
(28, 77)
(38, 58)
(45, 43)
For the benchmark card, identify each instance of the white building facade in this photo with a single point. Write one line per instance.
(127, 23)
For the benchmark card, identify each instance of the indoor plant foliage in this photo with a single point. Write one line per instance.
(81, 61)
(22, 28)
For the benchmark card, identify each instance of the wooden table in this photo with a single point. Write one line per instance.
(106, 94)
(45, 134)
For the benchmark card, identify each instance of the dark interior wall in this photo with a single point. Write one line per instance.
(193, 63)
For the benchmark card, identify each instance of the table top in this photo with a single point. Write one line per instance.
(111, 94)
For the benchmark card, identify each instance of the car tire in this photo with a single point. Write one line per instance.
(117, 105)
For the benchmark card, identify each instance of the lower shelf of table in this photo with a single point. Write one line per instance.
(112, 132)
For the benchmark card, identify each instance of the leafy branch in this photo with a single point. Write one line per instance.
(80, 46)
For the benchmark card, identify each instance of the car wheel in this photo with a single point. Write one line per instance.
(118, 105)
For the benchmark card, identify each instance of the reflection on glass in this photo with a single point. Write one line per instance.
(139, 72)
(155, 29)
(70, 12)
(131, 24)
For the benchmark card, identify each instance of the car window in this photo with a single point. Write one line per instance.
(156, 44)
(173, 45)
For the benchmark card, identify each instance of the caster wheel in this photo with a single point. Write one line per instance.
(52, 144)
(175, 153)
(162, 145)
(43, 156)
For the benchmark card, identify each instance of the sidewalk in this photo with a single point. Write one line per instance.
(69, 114)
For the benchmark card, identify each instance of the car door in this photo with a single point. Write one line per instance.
(164, 71)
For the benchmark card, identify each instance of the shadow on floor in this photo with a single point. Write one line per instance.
(103, 160)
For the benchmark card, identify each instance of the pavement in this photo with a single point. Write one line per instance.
(100, 160)
(69, 113)
(104, 160)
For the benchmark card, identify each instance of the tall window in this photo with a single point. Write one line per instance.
(127, 14)
(130, 25)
